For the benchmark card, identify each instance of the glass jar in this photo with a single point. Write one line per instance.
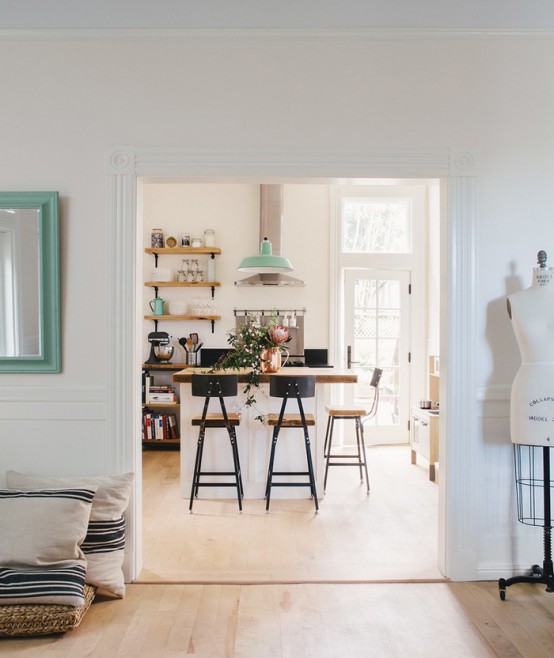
(209, 237)
(196, 243)
(157, 238)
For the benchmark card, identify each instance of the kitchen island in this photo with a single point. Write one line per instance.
(253, 437)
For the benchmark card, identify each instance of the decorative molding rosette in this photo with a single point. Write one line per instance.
(463, 163)
(120, 160)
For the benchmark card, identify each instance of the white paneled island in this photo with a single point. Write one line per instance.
(253, 437)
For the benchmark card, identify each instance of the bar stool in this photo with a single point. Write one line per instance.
(218, 387)
(342, 412)
(285, 387)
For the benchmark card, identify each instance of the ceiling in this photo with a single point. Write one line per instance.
(285, 14)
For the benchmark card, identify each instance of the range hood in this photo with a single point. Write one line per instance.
(271, 225)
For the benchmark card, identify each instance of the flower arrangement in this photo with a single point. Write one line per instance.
(250, 341)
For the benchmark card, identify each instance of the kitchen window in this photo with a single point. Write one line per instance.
(376, 226)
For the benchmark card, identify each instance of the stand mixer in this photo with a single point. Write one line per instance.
(160, 351)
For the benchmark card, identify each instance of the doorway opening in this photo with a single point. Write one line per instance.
(173, 196)
(128, 166)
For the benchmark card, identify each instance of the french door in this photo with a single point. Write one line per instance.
(377, 335)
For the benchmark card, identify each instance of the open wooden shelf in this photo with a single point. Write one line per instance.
(164, 442)
(166, 251)
(182, 284)
(182, 317)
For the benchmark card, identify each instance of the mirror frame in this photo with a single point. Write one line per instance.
(49, 361)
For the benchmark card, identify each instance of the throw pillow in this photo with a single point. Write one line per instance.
(40, 545)
(105, 541)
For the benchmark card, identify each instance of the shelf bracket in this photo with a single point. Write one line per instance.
(213, 326)
(155, 260)
(156, 324)
(213, 291)
(155, 290)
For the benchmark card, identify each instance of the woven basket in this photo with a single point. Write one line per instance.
(43, 618)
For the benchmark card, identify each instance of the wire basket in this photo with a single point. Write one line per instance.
(533, 466)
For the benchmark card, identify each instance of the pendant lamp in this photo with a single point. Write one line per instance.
(265, 262)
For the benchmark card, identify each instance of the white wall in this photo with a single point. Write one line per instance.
(69, 102)
(233, 211)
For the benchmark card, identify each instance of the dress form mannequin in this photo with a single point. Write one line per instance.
(532, 397)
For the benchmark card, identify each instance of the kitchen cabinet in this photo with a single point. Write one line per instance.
(424, 423)
(424, 437)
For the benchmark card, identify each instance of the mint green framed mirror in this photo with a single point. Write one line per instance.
(29, 282)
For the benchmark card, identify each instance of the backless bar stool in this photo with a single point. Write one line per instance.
(218, 387)
(285, 387)
(359, 415)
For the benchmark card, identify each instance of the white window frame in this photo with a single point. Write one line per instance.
(414, 262)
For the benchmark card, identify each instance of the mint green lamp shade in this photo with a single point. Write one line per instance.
(266, 262)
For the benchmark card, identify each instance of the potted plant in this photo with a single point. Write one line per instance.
(257, 348)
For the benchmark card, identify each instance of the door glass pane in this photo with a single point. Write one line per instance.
(377, 344)
(376, 226)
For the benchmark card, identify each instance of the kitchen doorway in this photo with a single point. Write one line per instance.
(381, 294)
(127, 166)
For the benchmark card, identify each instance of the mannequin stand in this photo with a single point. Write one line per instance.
(533, 509)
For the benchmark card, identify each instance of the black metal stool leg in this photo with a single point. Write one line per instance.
(327, 436)
(359, 450)
(310, 467)
(197, 465)
(238, 477)
(362, 442)
(239, 470)
(200, 457)
(329, 446)
(270, 468)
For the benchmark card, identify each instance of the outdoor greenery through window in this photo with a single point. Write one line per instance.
(376, 226)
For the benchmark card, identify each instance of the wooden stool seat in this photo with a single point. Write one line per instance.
(345, 410)
(216, 420)
(290, 420)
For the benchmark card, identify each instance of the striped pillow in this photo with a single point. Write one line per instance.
(40, 545)
(105, 542)
(64, 586)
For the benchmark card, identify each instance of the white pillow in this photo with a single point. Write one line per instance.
(105, 541)
(42, 530)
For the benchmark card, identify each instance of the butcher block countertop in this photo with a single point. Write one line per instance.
(322, 375)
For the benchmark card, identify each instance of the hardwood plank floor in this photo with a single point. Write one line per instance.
(389, 535)
(458, 620)
(323, 619)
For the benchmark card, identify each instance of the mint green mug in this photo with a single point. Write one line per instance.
(157, 306)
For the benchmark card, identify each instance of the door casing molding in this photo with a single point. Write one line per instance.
(125, 165)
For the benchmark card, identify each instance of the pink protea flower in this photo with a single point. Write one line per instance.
(279, 334)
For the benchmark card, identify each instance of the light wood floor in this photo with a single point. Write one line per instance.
(389, 535)
(306, 620)
(458, 620)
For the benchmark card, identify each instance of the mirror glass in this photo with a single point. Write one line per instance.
(29, 282)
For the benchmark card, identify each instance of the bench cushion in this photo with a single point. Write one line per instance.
(43, 619)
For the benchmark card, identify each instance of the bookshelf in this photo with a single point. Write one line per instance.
(160, 417)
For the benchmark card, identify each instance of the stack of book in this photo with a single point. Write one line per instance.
(159, 394)
(157, 427)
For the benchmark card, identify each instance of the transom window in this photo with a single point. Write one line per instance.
(376, 226)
